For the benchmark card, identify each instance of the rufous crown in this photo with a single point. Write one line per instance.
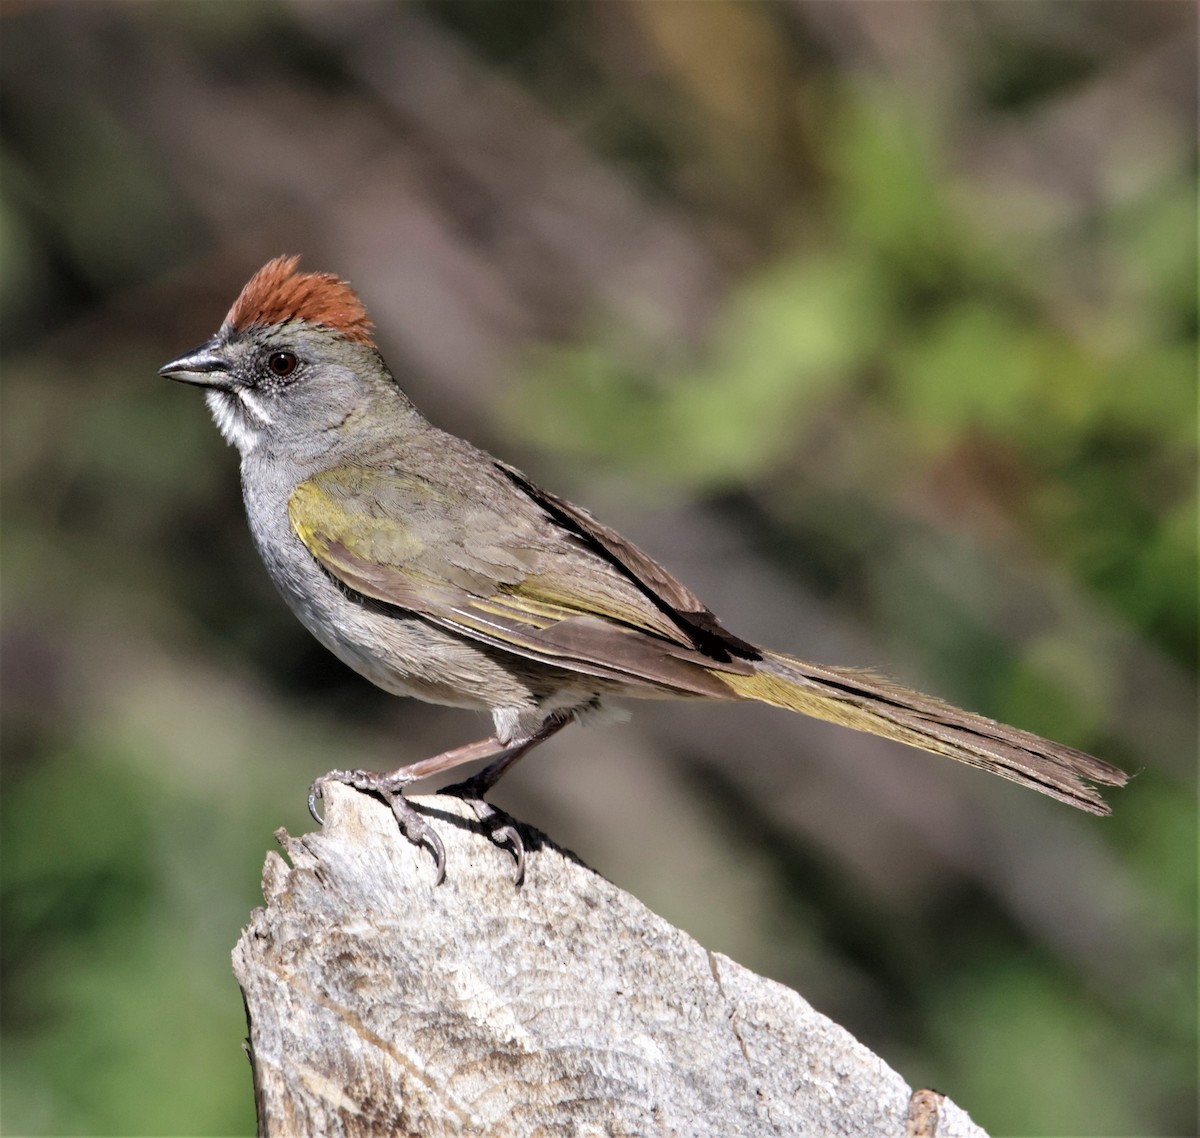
(278, 293)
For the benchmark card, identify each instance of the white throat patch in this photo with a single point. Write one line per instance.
(231, 419)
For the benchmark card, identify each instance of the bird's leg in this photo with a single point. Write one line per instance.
(473, 789)
(389, 785)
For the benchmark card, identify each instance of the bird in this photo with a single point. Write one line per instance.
(438, 571)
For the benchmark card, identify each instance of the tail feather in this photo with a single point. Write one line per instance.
(875, 704)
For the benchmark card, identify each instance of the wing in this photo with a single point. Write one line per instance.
(501, 568)
(667, 593)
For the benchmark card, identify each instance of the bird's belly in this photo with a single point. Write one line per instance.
(403, 655)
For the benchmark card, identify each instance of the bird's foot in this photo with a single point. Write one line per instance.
(390, 787)
(495, 823)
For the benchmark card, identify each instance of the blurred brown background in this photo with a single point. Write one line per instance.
(876, 322)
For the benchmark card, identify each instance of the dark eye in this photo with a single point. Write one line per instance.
(282, 363)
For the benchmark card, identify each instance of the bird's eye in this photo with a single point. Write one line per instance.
(282, 363)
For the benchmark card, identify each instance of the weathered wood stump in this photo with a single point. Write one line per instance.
(379, 1004)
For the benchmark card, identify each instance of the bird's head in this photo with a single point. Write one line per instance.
(292, 366)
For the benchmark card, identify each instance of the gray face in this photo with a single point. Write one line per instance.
(288, 385)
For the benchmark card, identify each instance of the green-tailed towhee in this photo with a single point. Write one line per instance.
(438, 571)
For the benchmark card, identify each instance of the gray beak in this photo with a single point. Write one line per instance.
(203, 367)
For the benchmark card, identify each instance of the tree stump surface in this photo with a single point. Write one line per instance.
(380, 1005)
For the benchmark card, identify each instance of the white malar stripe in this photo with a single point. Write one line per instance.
(254, 405)
(230, 421)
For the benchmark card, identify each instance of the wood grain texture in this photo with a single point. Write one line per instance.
(378, 1004)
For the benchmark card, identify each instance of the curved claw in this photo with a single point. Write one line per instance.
(499, 832)
(353, 778)
(315, 792)
(434, 844)
(419, 832)
(509, 835)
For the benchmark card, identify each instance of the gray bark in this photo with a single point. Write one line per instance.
(379, 1004)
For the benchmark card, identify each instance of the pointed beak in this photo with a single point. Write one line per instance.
(204, 367)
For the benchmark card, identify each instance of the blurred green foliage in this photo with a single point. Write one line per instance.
(942, 324)
(99, 949)
(115, 1023)
(956, 403)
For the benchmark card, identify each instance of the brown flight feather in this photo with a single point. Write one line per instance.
(278, 293)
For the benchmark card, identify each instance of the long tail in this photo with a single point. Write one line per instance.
(872, 703)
